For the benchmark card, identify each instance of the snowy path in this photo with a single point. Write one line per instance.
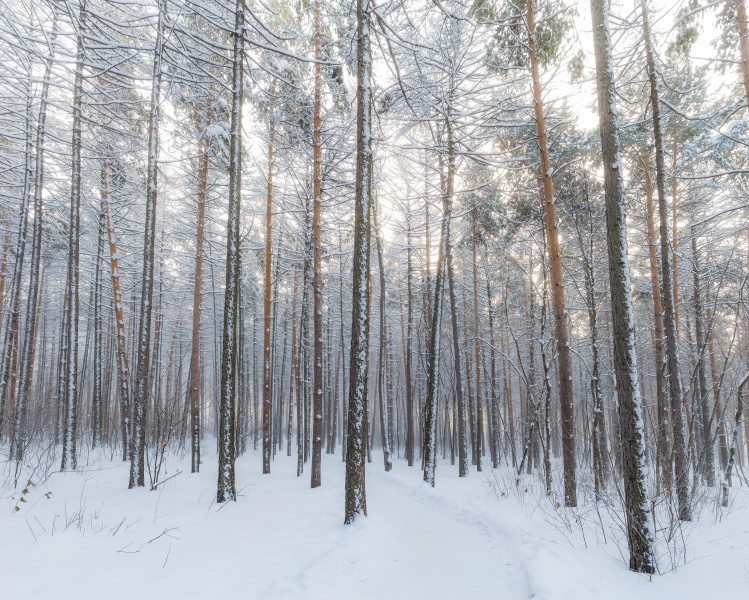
(93, 539)
(280, 540)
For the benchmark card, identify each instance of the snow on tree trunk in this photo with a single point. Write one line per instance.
(317, 300)
(226, 489)
(70, 389)
(143, 352)
(672, 343)
(639, 521)
(355, 491)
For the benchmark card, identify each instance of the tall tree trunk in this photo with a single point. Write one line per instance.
(434, 352)
(674, 235)
(382, 361)
(204, 145)
(494, 409)
(663, 438)
(355, 492)
(726, 483)
(407, 346)
(123, 371)
(303, 360)
(97, 400)
(707, 455)
(294, 370)
(70, 392)
(632, 431)
(477, 344)
(555, 270)
(226, 489)
(460, 399)
(716, 379)
(672, 346)
(317, 309)
(600, 456)
(267, 313)
(143, 356)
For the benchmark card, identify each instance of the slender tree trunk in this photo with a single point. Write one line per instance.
(434, 353)
(226, 489)
(494, 412)
(663, 441)
(70, 392)
(97, 400)
(672, 346)
(302, 374)
(461, 408)
(267, 306)
(355, 493)
(407, 347)
(204, 145)
(382, 361)
(123, 371)
(674, 236)
(143, 357)
(600, 455)
(726, 483)
(631, 427)
(477, 345)
(468, 395)
(555, 269)
(317, 309)
(716, 379)
(294, 370)
(4, 270)
(707, 454)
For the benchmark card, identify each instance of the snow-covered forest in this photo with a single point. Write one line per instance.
(374, 298)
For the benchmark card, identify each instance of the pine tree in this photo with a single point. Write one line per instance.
(355, 496)
(639, 522)
(226, 427)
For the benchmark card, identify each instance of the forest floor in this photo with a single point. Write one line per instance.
(83, 535)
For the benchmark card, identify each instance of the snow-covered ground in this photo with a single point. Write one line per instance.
(83, 535)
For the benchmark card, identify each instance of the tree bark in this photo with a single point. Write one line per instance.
(204, 145)
(407, 347)
(143, 356)
(734, 441)
(477, 345)
(716, 379)
(637, 507)
(355, 491)
(226, 489)
(382, 371)
(663, 438)
(459, 392)
(555, 271)
(707, 453)
(123, 371)
(70, 392)
(267, 306)
(317, 308)
(672, 345)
